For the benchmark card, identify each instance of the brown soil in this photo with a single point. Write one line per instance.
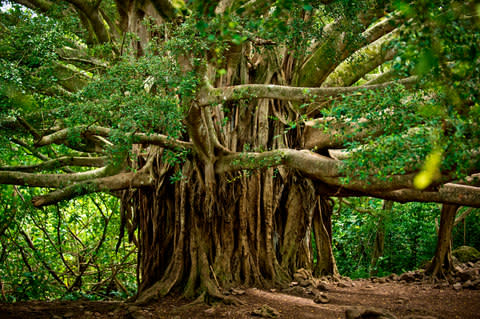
(400, 299)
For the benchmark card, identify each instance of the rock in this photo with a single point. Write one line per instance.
(408, 277)
(133, 308)
(210, 310)
(297, 290)
(238, 292)
(315, 282)
(305, 283)
(321, 297)
(476, 284)
(466, 254)
(323, 286)
(420, 317)
(68, 315)
(394, 277)
(293, 284)
(467, 284)
(345, 284)
(137, 315)
(266, 311)
(370, 313)
(457, 286)
(469, 274)
(302, 274)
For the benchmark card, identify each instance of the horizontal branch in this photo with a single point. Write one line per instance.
(288, 93)
(59, 162)
(61, 136)
(338, 133)
(330, 171)
(51, 180)
(448, 194)
(313, 165)
(105, 184)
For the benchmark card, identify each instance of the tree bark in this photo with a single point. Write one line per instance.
(442, 261)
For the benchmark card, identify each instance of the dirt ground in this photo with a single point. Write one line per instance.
(403, 300)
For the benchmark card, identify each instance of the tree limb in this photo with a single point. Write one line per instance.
(211, 96)
(362, 62)
(61, 136)
(51, 180)
(40, 5)
(105, 184)
(324, 60)
(59, 162)
(395, 187)
(314, 166)
(449, 193)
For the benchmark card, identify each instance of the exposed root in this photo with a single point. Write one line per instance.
(211, 298)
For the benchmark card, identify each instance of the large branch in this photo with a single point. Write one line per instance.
(331, 172)
(51, 180)
(40, 5)
(362, 62)
(324, 59)
(105, 184)
(61, 136)
(288, 93)
(59, 162)
(449, 193)
(338, 133)
(95, 19)
(314, 166)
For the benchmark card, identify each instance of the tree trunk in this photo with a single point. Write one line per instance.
(257, 232)
(442, 261)
(322, 230)
(379, 245)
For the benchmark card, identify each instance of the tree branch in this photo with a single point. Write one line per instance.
(338, 133)
(61, 136)
(211, 96)
(59, 162)
(362, 62)
(51, 180)
(324, 60)
(318, 167)
(449, 194)
(40, 5)
(314, 166)
(105, 184)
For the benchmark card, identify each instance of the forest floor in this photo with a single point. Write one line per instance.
(400, 299)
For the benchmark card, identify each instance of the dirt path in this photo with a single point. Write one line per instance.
(401, 299)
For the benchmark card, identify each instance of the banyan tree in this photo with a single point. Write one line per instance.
(225, 127)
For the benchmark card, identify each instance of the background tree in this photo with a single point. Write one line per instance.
(224, 126)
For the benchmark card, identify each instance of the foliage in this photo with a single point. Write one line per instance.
(467, 232)
(410, 236)
(63, 252)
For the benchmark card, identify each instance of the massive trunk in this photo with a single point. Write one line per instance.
(208, 232)
(257, 232)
